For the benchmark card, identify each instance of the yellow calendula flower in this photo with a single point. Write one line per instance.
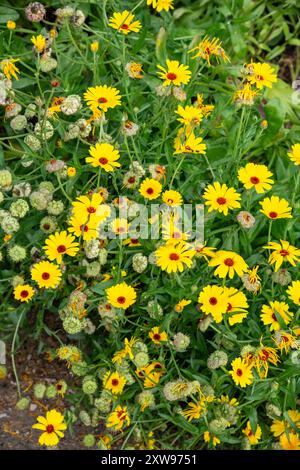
(281, 252)
(11, 25)
(175, 73)
(213, 301)
(276, 313)
(253, 437)
(87, 206)
(114, 382)
(118, 419)
(208, 48)
(71, 171)
(245, 95)
(187, 142)
(160, 5)
(279, 427)
(151, 374)
(261, 75)
(189, 115)
(134, 70)
(284, 341)
(290, 441)
(121, 295)
(237, 305)
(52, 426)
(172, 198)
(221, 198)
(241, 372)
(9, 69)
(210, 438)
(59, 244)
(276, 208)
(203, 251)
(86, 230)
(157, 336)
(94, 46)
(174, 256)
(264, 355)
(150, 188)
(39, 43)
(46, 274)
(124, 22)
(228, 263)
(119, 226)
(293, 292)
(23, 292)
(206, 109)
(294, 154)
(194, 410)
(101, 98)
(181, 304)
(105, 156)
(257, 177)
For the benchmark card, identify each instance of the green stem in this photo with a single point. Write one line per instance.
(13, 353)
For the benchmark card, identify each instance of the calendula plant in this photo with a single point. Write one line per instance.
(149, 177)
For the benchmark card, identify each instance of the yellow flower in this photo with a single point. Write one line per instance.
(290, 441)
(241, 372)
(206, 109)
(174, 256)
(208, 48)
(60, 243)
(228, 263)
(279, 427)
(9, 69)
(134, 70)
(118, 419)
(181, 304)
(256, 176)
(253, 437)
(150, 188)
(123, 21)
(151, 374)
(102, 97)
(114, 382)
(11, 25)
(160, 5)
(276, 313)
(157, 336)
(121, 295)
(172, 198)
(194, 410)
(245, 95)
(189, 115)
(284, 341)
(87, 206)
(214, 302)
(276, 208)
(71, 171)
(119, 226)
(188, 143)
(175, 73)
(39, 43)
(208, 437)
(46, 274)
(52, 426)
(23, 292)
(105, 156)
(264, 355)
(261, 75)
(293, 292)
(221, 198)
(237, 305)
(294, 154)
(94, 46)
(204, 251)
(283, 251)
(87, 230)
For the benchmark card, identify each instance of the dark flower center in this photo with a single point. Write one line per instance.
(221, 200)
(239, 372)
(121, 299)
(284, 252)
(156, 336)
(103, 161)
(50, 428)
(115, 382)
(171, 76)
(150, 191)
(174, 256)
(91, 210)
(273, 214)
(213, 301)
(61, 249)
(24, 294)
(229, 262)
(45, 276)
(102, 100)
(254, 180)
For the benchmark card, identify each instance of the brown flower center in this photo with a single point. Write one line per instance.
(284, 252)
(221, 200)
(121, 299)
(171, 76)
(131, 180)
(150, 191)
(229, 262)
(45, 276)
(239, 372)
(61, 249)
(24, 294)
(213, 301)
(102, 100)
(273, 215)
(156, 336)
(174, 257)
(254, 180)
(49, 428)
(103, 160)
(91, 210)
(84, 228)
(124, 26)
(115, 382)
